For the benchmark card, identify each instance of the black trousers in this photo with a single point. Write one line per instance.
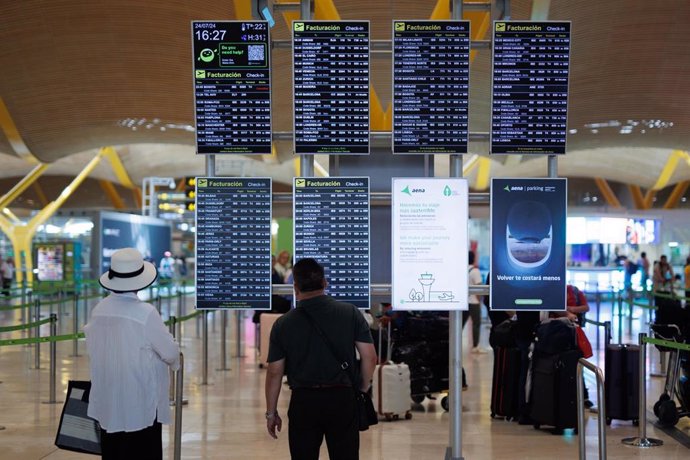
(146, 444)
(315, 413)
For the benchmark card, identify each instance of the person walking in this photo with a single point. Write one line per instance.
(323, 401)
(644, 269)
(7, 271)
(475, 308)
(130, 351)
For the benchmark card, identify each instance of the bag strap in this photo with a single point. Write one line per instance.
(343, 364)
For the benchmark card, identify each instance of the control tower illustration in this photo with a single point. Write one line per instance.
(426, 280)
(529, 234)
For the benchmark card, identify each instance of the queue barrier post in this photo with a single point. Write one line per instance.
(53, 360)
(37, 334)
(641, 440)
(620, 317)
(601, 427)
(223, 341)
(178, 332)
(171, 392)
(204, 348)
(75, 324)
(179, 387)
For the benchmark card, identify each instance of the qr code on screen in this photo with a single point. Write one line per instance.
(256, 53)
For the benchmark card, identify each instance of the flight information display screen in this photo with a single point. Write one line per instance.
(431, 73)
(529, 103)
(332, 226)
(331, 87)
(233, 243)
(232, 87)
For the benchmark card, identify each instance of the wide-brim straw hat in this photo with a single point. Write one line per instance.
(128, 272)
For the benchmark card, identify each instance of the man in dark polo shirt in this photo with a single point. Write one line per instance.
(323, 400)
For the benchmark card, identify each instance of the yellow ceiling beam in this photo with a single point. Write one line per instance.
(22, 185)
(637, 196)
(607, 192)
(136, 192)
(110, 154)
(243, 9)
(483, 174)
(649, 198)
(111, 193)
(670, 167)
(326, 10)
(38, 190)
(677, 193)
(12, 133)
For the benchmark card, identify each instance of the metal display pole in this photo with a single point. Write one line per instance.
(223, 341)
(75, 324)
(582, 363)
(178, 332)
(37, 334)
(240, 342)
(204, 348)
(306, 162)
(641, 440)
(179, 387)
(171, 388)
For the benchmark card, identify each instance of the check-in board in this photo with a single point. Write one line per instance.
(331, 217)
(529, 103)
(429, 239)
(331, 87)
(232, 87)
(431, 73)
(528, 224)
(233, 243)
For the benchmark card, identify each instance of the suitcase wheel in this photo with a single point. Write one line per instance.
(668, 414)
(537, 426)
(417, 399)
(662, 398)
(493, 415)
(408, 415)
(444, 403)
(608, 420)
(636, 422)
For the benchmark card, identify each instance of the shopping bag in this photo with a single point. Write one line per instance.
(583, 343)
(77, 431)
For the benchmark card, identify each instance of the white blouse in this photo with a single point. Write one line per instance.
(130, 350)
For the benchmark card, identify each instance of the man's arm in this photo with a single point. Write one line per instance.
(274, 380)
(367, 363)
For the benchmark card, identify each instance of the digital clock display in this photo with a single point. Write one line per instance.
(232, 87)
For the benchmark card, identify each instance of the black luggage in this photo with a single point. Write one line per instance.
(553, 394)
(505, 385)
(622, 366)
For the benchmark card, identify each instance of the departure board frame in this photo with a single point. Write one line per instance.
(458, 145)
(229, 234)
(350, 264)
(534, 148)
(316, 148)
(226, 132)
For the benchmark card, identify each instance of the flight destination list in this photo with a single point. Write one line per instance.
(531, 62)
(232, 87)
(331, 87)
(332, 226)
(233, 243)
(431, 69)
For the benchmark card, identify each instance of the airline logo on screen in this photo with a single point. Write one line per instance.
(299, 27)
(202, 183)
(300, 182)
(400, 27)
(500, 27)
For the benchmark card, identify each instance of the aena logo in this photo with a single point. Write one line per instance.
(516, 188)
(414, 190)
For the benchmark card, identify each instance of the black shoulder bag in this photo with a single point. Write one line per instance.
(364, 406)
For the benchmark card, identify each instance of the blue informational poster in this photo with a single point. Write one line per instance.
(528, 222)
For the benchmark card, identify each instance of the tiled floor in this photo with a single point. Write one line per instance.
(224, 419)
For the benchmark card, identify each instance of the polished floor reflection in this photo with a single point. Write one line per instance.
(224, 419)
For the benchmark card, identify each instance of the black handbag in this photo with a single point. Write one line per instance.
(364, 406)
(77, 431)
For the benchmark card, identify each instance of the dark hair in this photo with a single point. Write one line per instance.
(470, 258)
(643, 254)
(308, 275)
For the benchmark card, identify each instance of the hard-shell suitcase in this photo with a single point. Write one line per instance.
(266, 324)
(391, 387)
(505, 383)
(553, 394)
(622, 365)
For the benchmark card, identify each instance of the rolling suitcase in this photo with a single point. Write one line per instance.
(505, 383)
(391, 388)
(265, 325)
(553, 394)
(622, 366)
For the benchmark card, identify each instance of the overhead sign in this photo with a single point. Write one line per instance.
(331, 86)
(431, 77)
(529, 97)
(233, 243)
(232, 87)
(528, 223)
(429, 237)
(331, 218)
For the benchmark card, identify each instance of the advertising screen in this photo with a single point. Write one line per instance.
(50, 262)
(331, 86)
(528, 223)
(529, 97)
(151, 236)
(233, 243)
(331, 219)
(232, 87)
(431, 77)
(430, 245)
